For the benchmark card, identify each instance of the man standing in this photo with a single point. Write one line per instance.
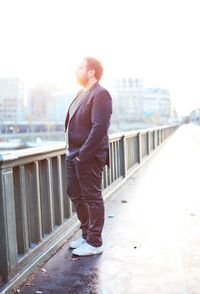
(86, 126)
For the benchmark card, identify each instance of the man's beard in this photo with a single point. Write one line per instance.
(83, 81)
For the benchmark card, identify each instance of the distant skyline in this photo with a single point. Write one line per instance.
(154, 40)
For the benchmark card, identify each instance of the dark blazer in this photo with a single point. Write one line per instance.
(88, 127)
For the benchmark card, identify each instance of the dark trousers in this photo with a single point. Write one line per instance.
(84, 187)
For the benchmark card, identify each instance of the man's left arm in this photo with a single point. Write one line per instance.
(100, 118)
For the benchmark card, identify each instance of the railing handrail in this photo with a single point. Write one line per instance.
(28, 152)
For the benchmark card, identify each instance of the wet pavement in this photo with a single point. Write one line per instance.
(151, 235)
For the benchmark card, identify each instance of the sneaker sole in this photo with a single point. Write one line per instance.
(87, 254)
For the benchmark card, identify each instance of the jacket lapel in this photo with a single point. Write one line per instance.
(67, 116)
(87, 94)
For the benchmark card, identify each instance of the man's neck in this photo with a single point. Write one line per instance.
(89, 84)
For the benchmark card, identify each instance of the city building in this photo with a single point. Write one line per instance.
(129, 102)
(58, 109)
(156, 105)
(11, 102)
(47, 106)
(135, 106)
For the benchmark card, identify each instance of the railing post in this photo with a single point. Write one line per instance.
(161, 136)
(21, 210)
(8, 239)
(34, 202)
(148, 143)
(46, 197)
(123, 156)
(66, 200)
(139, 148)
(154, 139)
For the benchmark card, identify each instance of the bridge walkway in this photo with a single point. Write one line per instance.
(151, 235)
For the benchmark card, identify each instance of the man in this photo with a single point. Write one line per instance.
(86, 126)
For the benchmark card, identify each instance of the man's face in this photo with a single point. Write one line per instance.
(82, 76)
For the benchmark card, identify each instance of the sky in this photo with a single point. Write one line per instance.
(154, 40)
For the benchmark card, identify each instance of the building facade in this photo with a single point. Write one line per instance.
(157, 105)
(12, 109)
(137, 106)
(11, 99)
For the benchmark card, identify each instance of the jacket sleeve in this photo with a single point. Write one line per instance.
(100, 119)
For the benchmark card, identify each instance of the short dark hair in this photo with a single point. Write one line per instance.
(93, 63)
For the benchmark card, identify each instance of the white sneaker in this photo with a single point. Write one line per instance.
(87, 249)
(77, 243)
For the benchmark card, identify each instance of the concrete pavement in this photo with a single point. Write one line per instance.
(151, 234)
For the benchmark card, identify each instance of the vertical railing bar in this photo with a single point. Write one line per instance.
(38, 201)
(118, 155)
(46, 210)
(21, 213)
(112, 166)
(33, 202)
(8, 235)
(139, 148)
(115, 161)
(60, 189)
(133, 151)
(106, 176)
(124, 156)
(67, 209)
(50, 187)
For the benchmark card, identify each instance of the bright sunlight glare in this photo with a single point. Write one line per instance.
(155, 40)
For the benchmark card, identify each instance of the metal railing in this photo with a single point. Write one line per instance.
(36, 216)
